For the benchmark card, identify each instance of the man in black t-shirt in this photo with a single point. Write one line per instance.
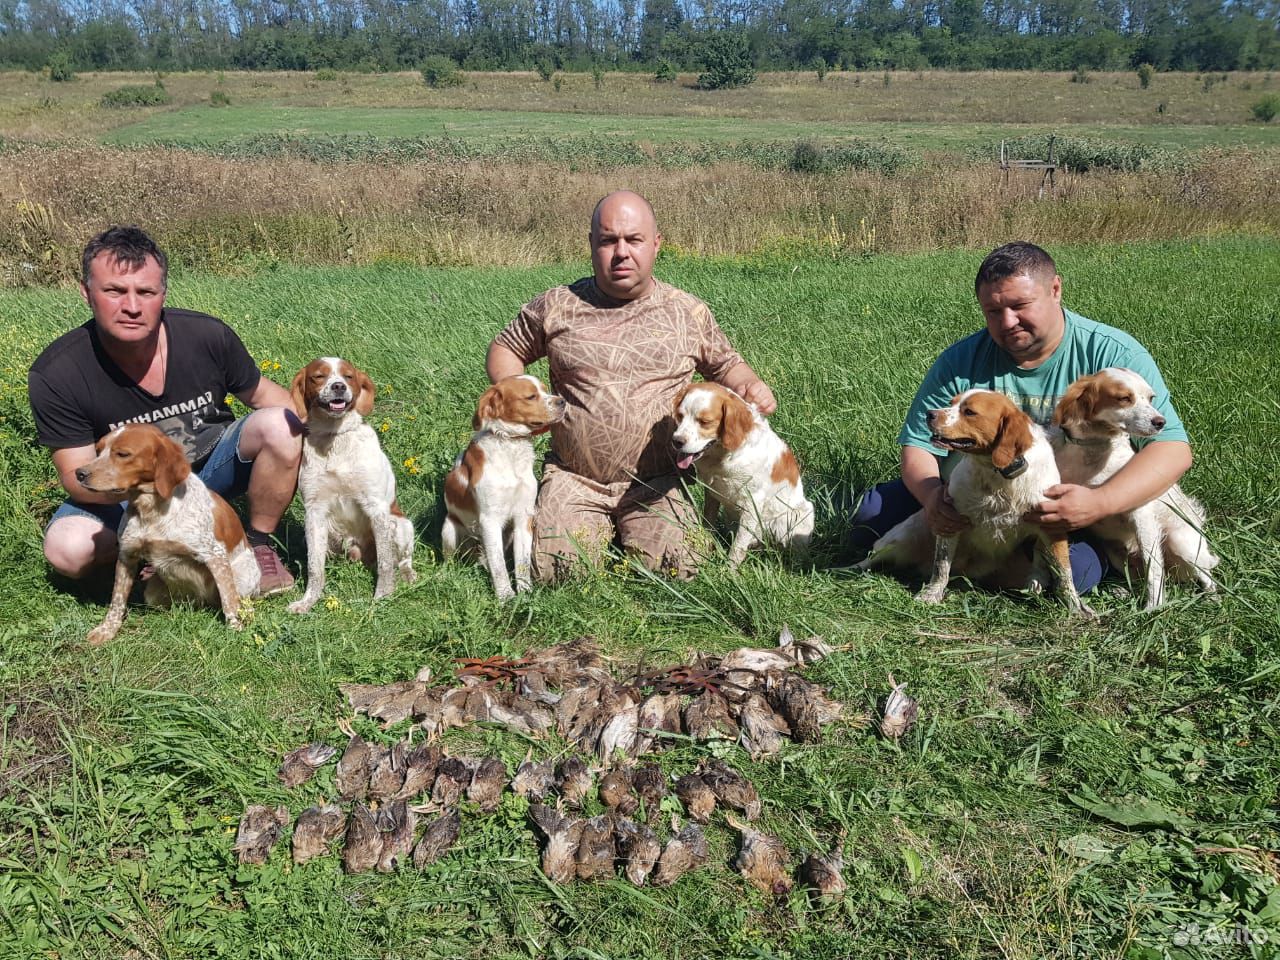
(137, 361)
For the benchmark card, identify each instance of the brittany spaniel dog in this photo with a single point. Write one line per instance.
(491, 489)
(746, 467)
(1007, 465)
(191, 537)
(346, 482)
(1095, 419)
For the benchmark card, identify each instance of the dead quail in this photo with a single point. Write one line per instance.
(660, 714)
(363, 847)
(485, 790)
(452, 777)
(260, 828)
(762, 859)
(707, 717)
(619, 735)
(899, 712)
(388, 774)
(560, 855)
(638, 849)
(651, 787)
(300, 765)
(699, 799)
(685, 851)
(315, 829)
(574, 779)
(397, 823)
(615, 791)
(420, 765)
(534, 780)
(596, 851)
(803, 652)
(761, 731)
(354, 767)
(437, 838)
(803, 705)
(754, 660)
(823, 873)
(731, 788)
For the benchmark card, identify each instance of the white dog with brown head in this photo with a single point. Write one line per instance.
(346, 481)
(747, 468)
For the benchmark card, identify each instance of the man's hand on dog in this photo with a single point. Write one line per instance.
(1068, 507)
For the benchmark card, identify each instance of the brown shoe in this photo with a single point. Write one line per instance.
(276, 577)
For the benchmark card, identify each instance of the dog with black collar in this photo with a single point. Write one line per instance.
(1006, 467)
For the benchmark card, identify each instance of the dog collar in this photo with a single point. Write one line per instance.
(1014, 470)
(1081, 442)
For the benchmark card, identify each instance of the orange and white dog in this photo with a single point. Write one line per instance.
(191, 537)
(1006, 468)
(747, 468)
(1094, 420)
(491, 490)
(346, 481)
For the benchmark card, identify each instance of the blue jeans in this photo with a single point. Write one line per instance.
(886, 505)
(224, 472)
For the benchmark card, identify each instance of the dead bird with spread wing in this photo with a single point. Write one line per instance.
(823, 873)
(560, 855)
(300, 765)
(638, 849)
(315, 829)
(441, 834)
(761, 731)
(420, 765)
(698, 798)
(260, 828)
(732, 788)
(804, 706)
(762, 859)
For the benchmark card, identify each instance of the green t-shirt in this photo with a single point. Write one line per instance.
(976, 361)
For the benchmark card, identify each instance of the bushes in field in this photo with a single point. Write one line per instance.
(577, 153)
(137, 95)
(60, 70)
(1080, 154)
(1264, 110)
(439, 71)
(665, 73)
(1145, 72)
(727, 58)
(219, 98)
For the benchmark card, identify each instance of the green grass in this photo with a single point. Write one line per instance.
(200, 125)
(123, 769)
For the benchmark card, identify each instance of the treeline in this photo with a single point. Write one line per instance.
(640, 34)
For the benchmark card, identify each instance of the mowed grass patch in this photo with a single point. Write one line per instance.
(971, 838)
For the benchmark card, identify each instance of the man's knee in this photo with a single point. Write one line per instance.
(75, 547)
(273, 430)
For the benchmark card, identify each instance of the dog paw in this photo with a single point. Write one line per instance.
(99, 635)
(235, 623)
(381, 593)
(931, 596)
(301, 606)
(408, 574)
(1086, 612)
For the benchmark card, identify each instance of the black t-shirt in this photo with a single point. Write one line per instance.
(78, 394)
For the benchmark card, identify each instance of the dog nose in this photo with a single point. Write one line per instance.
(82, 474)
(929, 415)
(1158, 422)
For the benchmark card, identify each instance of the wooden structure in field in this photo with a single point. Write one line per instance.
(1049, 165)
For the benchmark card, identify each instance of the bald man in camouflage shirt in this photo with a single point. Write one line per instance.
(621, 345)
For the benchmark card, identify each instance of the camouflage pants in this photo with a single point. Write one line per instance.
(577, 519)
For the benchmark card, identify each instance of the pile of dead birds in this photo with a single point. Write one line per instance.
(751, 695)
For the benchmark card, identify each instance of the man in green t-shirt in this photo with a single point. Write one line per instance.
(1031, 350)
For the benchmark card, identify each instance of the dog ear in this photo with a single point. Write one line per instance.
(489, 407)
(171, 467)
(1013, 440)
(675, 405)
(736, 422)
(296, 394)
(365, 392)
(1076, 405)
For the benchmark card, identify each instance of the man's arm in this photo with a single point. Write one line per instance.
(1153, 470)
(267, 393)
(502, 362)
(920, 474)
(743, 381)
(69, 459)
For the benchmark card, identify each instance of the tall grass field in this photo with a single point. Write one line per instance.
(1107, 789)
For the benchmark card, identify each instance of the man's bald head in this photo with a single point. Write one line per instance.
(611, 202)
(624, 245)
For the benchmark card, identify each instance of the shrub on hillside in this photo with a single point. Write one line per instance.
(440, 71)
(727, 58)
(327, 75)
(545, 69)
(665, 73)
(60, 68)
(219, 98)
(1081, 75)
(1265, 109)
(138, 95)
(1145, 72)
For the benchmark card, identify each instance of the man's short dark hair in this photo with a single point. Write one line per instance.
(1016, 259)
(127, 244)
